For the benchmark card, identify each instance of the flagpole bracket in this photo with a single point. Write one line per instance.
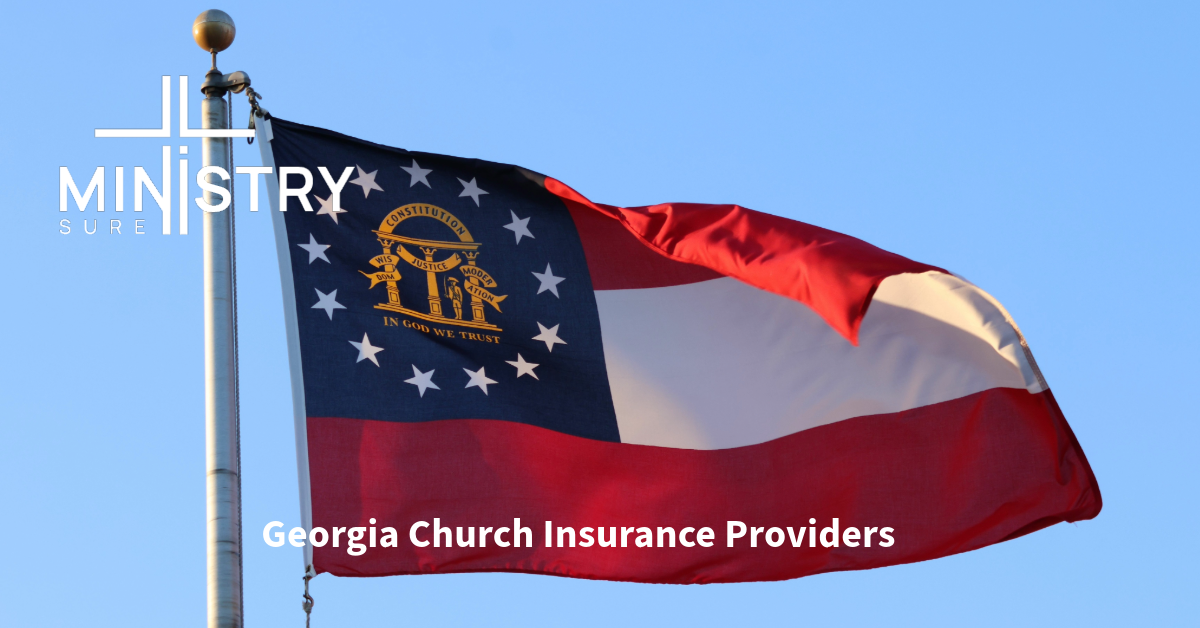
(214, 81)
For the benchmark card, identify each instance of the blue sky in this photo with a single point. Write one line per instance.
(1046, 151)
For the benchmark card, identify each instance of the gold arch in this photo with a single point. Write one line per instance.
(423, 210)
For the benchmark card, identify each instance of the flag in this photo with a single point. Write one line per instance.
(511, 377)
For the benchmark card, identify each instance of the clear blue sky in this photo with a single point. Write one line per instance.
(1046, 151)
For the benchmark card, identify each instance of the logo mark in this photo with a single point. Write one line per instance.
(442, 284)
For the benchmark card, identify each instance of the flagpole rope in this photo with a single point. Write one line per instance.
(255, 110)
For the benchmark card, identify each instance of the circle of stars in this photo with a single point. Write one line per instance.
(366, 351)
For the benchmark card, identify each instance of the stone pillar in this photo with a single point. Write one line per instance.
(476, 304)
(392, 289)
(435, 298)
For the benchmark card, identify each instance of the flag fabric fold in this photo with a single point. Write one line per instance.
(832, 273)
(475, 343)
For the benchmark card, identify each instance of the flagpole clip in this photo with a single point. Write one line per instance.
(307, 604)
(256, 110)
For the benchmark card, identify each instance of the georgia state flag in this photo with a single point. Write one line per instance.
(474, 342)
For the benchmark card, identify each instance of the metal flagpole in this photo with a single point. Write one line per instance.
(214, 32)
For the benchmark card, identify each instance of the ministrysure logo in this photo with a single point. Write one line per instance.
(160, 191)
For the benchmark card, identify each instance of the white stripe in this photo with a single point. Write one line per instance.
(721, 364)
(293, 331)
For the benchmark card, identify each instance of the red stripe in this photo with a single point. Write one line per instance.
(949, 478)
(834, 274)
(618, 260)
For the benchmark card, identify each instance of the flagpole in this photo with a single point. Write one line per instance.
(214, 31)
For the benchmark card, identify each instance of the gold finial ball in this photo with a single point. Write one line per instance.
(213, 30)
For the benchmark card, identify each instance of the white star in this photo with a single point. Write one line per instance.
(519, 226)
(523, 367)
(328, 302)
(549, 336)
(315, 251)
(418, 174)
(421, 380)
(472, 190)
(327, 208)
(366, 181)
(366, 351)
(479, 379)
(549, 281)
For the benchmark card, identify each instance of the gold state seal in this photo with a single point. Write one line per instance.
(442, 286)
